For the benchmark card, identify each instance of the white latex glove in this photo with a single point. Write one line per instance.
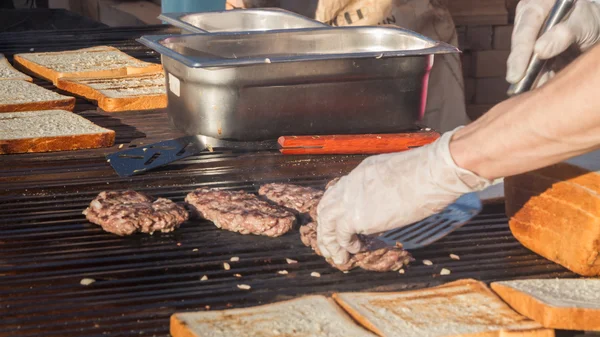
(390, 191)
(582, 27)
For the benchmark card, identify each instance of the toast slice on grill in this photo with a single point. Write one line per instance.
(19, 95)
(120, 93)
(50, 130)
(7, 72)
(461, 308)
(301, 317)
(567, 304)
(89, 62)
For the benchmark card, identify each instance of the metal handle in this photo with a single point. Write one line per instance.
(560, 10)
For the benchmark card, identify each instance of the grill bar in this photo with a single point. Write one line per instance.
(47, 246)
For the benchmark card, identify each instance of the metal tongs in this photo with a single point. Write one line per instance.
(559, 12)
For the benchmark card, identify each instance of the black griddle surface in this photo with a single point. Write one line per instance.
(47, 247)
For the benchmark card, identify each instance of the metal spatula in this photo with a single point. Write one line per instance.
(145, 158)
(435, 227)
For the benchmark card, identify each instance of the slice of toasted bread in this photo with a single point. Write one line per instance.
(566, 304)
(7, 72)
(19, 95)
(554, 211)
(89, 62)
(461, 308)
(50, 130)
(120, 93)
(302, 317)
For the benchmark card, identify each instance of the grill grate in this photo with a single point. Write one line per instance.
(47, 247)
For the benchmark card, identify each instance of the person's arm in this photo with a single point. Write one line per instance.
(555, 122)
(550, 124)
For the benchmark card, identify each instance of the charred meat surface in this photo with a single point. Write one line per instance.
(241, 212)
(376, 256)
(301, 199)
(127, 212)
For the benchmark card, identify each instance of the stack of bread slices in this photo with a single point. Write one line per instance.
(36, 119)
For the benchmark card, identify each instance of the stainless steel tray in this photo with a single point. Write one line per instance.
(261, 85)
(238, 20)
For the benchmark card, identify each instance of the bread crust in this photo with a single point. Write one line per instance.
(549, 316)
(363, 321)
(178, 328)
(476, 286)
(53, 76)
(557, 219)
(68, 103)
(113, 104)
(59, 143)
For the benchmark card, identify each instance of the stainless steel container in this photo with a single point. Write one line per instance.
(261, 85)
(238, 20)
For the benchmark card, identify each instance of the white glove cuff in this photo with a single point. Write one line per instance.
(470, 181)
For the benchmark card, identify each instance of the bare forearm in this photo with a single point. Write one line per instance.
(556, 122)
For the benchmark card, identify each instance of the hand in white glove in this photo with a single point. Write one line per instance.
(390, 191)
(581, 27)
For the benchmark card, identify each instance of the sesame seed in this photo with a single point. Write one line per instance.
(315, 274)
(226, 266)
(427, 262)
(243, 286)
(204, 278)
(454, 257)
(282, 272)
(237, 275)
(234, 259)
(401, 271)
(290, 261)
(445, 271)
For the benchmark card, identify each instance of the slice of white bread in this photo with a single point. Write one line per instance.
(19, 95)
(50, 130)
(555, 212)
(303, 317)
(566, 304)
(89, 62)
(461, 308)
(7, 72)
(120, 93)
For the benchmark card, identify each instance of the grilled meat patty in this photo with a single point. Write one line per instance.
(377, 256)
(302, 200)
(242, 212)
(127, 212)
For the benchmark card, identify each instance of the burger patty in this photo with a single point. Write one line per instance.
(376, 256)
(300, 199)
(242, 212)
(124, 213)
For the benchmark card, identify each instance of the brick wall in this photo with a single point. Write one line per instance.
(484, 31)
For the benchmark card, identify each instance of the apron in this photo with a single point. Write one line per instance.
(445, 100)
